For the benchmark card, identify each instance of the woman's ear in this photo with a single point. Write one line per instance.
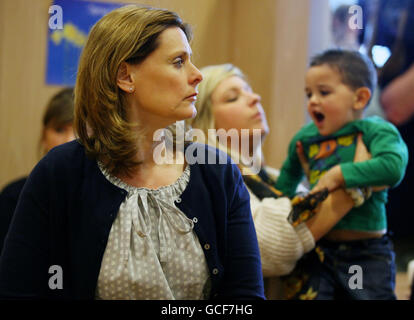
(124, 79)
(362, 96)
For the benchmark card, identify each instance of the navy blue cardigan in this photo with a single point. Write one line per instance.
(67, 208)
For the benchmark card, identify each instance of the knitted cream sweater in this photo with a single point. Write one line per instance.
(281, 245)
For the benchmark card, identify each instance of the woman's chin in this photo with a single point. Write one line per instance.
(264, 130)
(194, 113)
(188, 113)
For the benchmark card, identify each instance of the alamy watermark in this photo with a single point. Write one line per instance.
(56, 280)
(356, 20)
(355, 281)
(243, 145)
(56, 19)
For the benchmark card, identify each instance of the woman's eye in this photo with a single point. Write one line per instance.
(232, 99)
(179, 62)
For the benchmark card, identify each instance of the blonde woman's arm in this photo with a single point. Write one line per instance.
(281, 245)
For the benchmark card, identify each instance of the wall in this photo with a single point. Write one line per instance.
(267, 39)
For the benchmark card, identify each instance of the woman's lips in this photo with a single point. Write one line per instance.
(258, 115)
(192, 97)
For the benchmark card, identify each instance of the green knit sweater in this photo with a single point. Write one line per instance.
(387, 166)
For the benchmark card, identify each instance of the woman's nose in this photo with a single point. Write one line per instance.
(254, 99)
(196, 77)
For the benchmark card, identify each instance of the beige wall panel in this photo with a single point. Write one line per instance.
(23, 94)
(269, 39)
(287, 112)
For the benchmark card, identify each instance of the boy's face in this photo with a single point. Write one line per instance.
(330, 101)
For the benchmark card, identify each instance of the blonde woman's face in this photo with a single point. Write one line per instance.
(235, 105)
(165, 82)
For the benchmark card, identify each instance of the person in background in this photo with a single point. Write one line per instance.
(57, 128)
(397, 100)
(339, 84)
(342, 35)
(392, 25)
(103, 211)
(227, 102)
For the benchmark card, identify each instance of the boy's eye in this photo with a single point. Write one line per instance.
(324, 92)
(308, 95)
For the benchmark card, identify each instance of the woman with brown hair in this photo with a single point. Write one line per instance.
(112, 222)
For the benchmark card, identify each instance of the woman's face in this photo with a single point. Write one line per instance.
(235, 105)
(165, 82)
(54, 135)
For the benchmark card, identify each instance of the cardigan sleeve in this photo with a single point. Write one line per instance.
(24, 260)
(243, 278)
(281, 245)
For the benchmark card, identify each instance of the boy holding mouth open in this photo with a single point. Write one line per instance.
(339, 85)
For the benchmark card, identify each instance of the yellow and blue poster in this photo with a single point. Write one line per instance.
(68, 28)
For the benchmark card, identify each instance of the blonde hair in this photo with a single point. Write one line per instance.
(128, 34)
(212, 76)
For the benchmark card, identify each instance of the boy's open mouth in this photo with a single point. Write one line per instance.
(319, 117)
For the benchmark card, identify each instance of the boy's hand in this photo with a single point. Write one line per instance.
(302, 158)
(332, 180)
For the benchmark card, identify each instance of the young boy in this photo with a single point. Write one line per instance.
(339, 85)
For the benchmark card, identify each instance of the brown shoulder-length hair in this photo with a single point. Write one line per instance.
(128, 34)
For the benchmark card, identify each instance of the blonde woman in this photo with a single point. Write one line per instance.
(99, 217)
(226, 101)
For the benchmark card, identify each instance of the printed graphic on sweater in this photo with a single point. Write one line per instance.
(325, 154)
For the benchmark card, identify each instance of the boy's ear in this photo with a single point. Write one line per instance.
(362, 96)
(124, 79)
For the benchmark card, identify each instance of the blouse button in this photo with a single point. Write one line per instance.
(195, 220)
(178, 200)
(141, 234)
(207, 246)
(215, 271)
